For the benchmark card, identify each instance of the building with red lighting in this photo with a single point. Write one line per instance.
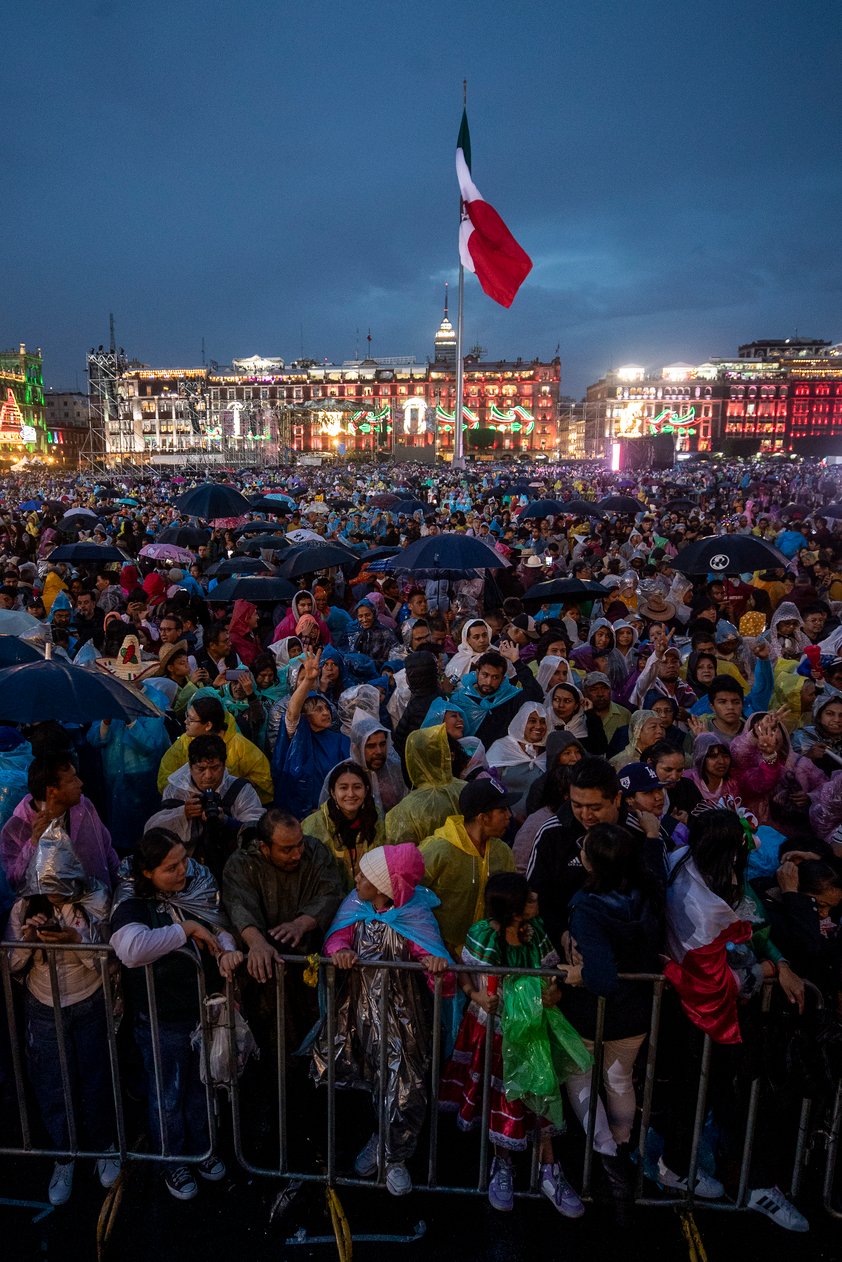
(265, 409)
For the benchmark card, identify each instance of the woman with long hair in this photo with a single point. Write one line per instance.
(348, 822)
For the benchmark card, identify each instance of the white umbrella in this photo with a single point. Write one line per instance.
(319, 507)
(304, 536)
(16, 622)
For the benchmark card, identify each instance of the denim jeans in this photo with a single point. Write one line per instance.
(183, 1096)
(86, 1050)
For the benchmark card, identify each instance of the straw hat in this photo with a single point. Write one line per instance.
(166, 653)
(127, 665)
(657, 608)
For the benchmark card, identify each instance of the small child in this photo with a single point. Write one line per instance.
(388, 917)
(512, 936)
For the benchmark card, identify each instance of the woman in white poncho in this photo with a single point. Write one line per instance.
(520, 757)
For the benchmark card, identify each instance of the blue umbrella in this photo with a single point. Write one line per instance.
(211, 500)
(54, 689)
(31, 506)
(407, 507)
(14, 650)
(127, 500)
(447, 552)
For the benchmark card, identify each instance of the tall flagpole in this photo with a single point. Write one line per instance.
(458, 429)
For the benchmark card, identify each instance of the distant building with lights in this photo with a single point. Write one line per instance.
(266, 409)
(22, 430)
(776, 395)
(67, 422)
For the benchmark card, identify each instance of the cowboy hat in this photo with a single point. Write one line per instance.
(657, 608)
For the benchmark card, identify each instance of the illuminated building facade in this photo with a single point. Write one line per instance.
(776, 395)
(22, 430)
(264, 409)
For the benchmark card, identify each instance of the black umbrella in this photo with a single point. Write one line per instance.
(560, 588)
(54, 689)
(190, 537)
(267, 505)
(728, 554)
(581, 508)
(680, 505)
(239, 565)
(211, 500)
(622, 504)
(259, 543)
(309, 557)
(78, 519)
(384, 499)
(258, 526)
(542, 508)
(379, 554)
(76, 553)
(259, 590)
(447, 552)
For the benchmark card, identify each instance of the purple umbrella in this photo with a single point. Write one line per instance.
(167, 552)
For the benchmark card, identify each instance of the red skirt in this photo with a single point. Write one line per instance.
(510, 1123)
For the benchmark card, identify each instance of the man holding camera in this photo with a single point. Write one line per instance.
(205, 806)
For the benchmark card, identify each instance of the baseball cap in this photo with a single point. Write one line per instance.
(524, 623)
(483, 795)
(638, 777)
(596, 677)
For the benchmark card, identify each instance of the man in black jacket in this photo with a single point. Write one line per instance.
(555, 868)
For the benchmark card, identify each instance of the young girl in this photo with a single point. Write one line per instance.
(389, 917)
(511, 936)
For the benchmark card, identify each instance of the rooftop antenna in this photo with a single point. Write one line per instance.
(368, 339)
(301, 335)
(113, 343)
(445, 300)
(203, 352)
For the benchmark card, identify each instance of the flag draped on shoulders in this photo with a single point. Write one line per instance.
(486, 246)
(699, 926)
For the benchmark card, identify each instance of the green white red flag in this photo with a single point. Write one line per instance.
(486, 247)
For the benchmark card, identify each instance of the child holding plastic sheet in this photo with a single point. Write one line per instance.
(534, 1047)
(388, 917)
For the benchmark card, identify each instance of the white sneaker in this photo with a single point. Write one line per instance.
(108, 1170)
(398, 1181)
(706, 1188)
(773, 1203)
(61, 1184)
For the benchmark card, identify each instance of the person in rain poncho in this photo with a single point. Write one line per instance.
(15, 757)
(59, 903)
(349, 822)
(472, 749)
(421, 682)
(206, 714)
(359, 699)
(302, 604)
(131, 753)
(821, 740)
(474, 641)
(389, 916)
(435, 791)
(520, 756)
(367, 635)
(372, 748)
(786, 633)
(242, 630)
(645, 728)
(307, 748)
(711, 770)
(567, 711)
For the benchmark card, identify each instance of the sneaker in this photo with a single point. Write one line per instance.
(556, 1188)
(398, 1181)
(108, 1170)
(180, 1183)
(706, 1188)
(61, 1184)
(212, 1169)
(365, 1164)
(773, 1203)
(501, 1188)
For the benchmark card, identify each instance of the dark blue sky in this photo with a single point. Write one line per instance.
(265, 174)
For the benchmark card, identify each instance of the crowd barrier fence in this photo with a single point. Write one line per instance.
(325, 1168)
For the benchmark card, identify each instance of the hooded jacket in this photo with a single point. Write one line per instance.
(435, 791)
(243, 639)
(760, 782)
(457, 873)
(244, 760)
(422, 677)
(387, 784)
(292, 617)
(702, 746)
(587, 657)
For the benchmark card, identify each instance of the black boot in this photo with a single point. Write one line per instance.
(619, 1176)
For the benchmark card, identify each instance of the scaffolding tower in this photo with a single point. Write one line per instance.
(105, 436)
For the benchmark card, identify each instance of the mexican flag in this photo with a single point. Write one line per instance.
(486, 246)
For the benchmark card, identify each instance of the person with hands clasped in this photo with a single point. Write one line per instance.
(166, 902)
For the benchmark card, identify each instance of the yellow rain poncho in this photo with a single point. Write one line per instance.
(435, 793)
(322, 827)
(244, 760)
(788, 690)
(456, 871)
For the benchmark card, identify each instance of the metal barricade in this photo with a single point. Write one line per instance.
(325, 1167)
(122, 1148)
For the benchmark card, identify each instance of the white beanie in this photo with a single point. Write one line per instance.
(374, 868)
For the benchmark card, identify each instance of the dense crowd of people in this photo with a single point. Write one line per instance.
(640, 773)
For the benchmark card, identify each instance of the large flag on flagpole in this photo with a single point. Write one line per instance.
(486, 247)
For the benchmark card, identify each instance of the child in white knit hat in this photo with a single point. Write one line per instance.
(389, 916)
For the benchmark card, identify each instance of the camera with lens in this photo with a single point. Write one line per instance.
(212, 804)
